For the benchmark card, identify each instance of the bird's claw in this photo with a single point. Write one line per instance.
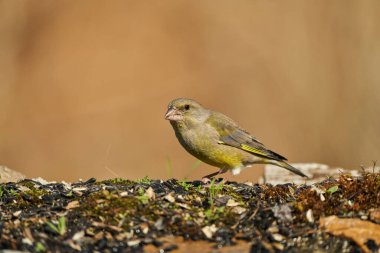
(213, 181)
(206, 180)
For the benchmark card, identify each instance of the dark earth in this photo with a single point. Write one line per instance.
(178, 216)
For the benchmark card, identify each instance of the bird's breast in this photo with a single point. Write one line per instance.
(203, 144)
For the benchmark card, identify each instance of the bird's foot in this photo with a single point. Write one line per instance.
(206, 180)
(213, 181)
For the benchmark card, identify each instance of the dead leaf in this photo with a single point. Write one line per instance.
(374, 215)
(28, 234)
(359, 231)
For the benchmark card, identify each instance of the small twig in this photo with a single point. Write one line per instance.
(374, 166)
(254, 212)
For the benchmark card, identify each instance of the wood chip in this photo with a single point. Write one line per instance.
(72, 204)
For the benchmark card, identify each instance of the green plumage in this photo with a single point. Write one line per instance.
(217, 140)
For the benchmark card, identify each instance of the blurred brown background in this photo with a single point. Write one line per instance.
(84, 85)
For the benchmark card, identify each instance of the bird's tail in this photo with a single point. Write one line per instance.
(288, 167)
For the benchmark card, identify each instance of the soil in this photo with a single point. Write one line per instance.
(148, 215)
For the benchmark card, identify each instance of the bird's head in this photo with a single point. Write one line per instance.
(185, 110)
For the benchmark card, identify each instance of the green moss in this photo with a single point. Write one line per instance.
(117, 181)
(116, 210)
(186, 186)
(144, 180)
(214, 213)
(40, 247)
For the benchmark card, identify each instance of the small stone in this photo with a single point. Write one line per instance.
(123, 194)
(310, 216)
(232, 202)
(278, 237)
(133, 243)
(144, 228)
(209, 231)
(238, 210)
(78, 236)
(150, 193)
(273, 229)
(80, 189)
(159, 224)
(17, 213)
(43, 181)
(185, 206)
(27, 241)
(169, 197)
(249, 183)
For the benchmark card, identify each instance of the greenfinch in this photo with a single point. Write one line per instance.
(217, 140)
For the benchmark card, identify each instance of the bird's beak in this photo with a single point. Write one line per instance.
(173, 114)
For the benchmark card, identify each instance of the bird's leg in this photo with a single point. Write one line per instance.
(207, 179)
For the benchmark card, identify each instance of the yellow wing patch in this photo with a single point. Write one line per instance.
(253, 150)
(249, 149)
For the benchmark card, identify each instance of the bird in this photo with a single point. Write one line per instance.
(217, 140)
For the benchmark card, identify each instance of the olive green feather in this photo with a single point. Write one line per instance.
(232, 135)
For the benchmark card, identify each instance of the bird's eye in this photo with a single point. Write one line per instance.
(187, 107)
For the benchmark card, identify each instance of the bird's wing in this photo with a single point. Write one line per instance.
(230, 134)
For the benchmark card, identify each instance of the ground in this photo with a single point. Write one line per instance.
(179, 216)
